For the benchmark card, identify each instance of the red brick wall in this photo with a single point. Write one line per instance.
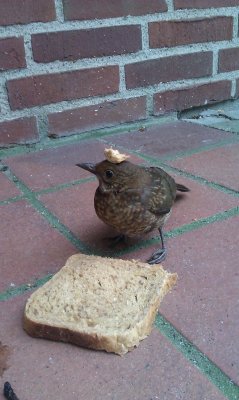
(70, 66)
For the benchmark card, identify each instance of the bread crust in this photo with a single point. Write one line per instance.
(117, 343)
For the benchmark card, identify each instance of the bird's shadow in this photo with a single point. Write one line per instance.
(101, 241)
(180, 197)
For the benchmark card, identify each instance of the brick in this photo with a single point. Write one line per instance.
(77, 44)
(178, 100)
(52, 88)
(97, 116)
(95, 9)
(177, 33)
(20, 130)
(228, 60)
(173, 68)
(12, 53)
(180, 4)
(26, 11)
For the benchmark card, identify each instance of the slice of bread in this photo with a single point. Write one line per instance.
(100, 303)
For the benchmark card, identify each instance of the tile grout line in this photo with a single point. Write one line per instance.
(50, 189)
(54, 222)
(145, 157)
(198, 358)
(195, 225)
(67, 185)
(201, 180)
(62, 186)
(76, 138)
(186, 174)
(19, 290)
(32, 198)
(187, 348)
(12, 292)
(97, 134)
(191, 352)
(10, 200)
(213, 125)
(181, 154)
(200, 149)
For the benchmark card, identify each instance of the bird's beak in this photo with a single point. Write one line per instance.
(88, 167)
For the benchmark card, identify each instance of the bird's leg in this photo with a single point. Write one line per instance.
(160, 254)
(116, 239)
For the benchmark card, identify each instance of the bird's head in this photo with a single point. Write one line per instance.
(113, 177)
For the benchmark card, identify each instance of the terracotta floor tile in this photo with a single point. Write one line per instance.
(30, 248)
(202, 201)
(7, 188)
(168, 139)
(207, 297)
(75, 208)
(52, 167)
(204, 306)
(220, 165)
(51, 370)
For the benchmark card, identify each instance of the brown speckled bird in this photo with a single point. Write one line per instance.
(134, 199)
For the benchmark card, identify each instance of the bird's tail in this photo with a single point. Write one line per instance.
(182, 188)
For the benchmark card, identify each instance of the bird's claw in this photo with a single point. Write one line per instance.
(157, 257)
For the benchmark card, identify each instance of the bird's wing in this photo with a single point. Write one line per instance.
(160, 192)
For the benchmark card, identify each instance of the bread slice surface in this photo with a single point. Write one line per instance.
(97, 302)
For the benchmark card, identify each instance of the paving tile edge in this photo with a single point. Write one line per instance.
(147, 158)
(10, 200)
(121, 129)
(94, 134)
(63, 186)
(192, 353)
(198, 359)
(187, 348)
(180, 154)
(210, 125)
(54, 222)
(177, 171)
(19, 290)
(192, 226)
(15, 291)
(201, 180)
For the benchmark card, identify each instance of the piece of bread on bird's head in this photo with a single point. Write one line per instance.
(100, 303)
(114, 156)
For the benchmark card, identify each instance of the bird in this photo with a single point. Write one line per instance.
(134, 199)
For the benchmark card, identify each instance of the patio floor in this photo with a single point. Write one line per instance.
(47, 214)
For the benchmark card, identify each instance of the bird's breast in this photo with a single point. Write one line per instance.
(125, 212)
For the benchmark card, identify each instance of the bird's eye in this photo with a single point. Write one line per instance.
(109, 174)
